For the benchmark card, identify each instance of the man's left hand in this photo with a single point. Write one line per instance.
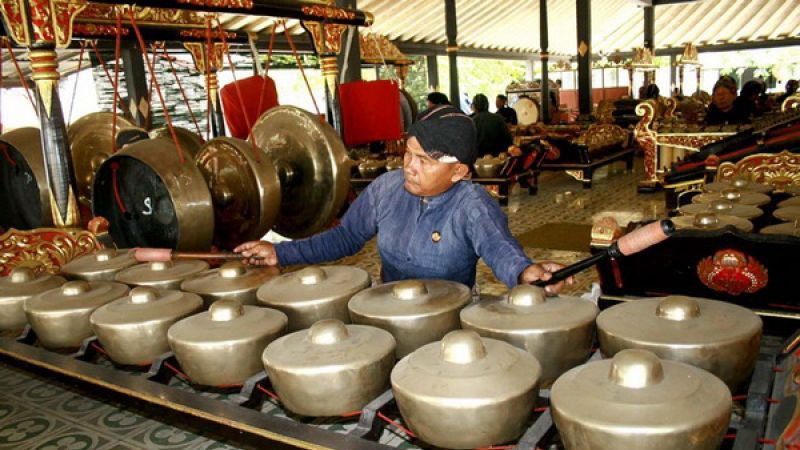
(544, 271)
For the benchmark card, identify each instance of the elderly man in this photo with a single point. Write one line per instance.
(431, 222)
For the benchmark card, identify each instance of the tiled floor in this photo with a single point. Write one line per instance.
(38, 413)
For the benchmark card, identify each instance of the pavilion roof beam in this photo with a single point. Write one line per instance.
(742, 20)
(665, 33)
(689, 31)
(468, 13)
(482, 25)
(436, 30)
(716, 28)
(772, 24)
(425, 16)
(760, 18)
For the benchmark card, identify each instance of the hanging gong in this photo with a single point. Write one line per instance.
(408, 109)
(152, 200)
(90, 140)
(312, 165)
(25, 194)
(244, 188)
(190, 142)
(527, 111)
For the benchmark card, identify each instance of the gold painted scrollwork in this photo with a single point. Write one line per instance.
(779, 170)
(44, 249)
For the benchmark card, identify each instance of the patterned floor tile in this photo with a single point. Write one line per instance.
(73, 439)
(120, 422)
(26, 431)
(166, 437)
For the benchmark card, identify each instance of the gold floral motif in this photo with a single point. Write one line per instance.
(44, 249)
(646, 138)
(327, 12)
(15, 18)
(106, 14)
(602, 135)
(241, 4)
(779, 170)
(203, 34)
(327, 38)
(376, 49)
(199, 52)
(91, 29)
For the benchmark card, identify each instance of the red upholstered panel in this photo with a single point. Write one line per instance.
(259, 94)
(370, 111)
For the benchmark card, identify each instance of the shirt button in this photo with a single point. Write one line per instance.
(408, 259)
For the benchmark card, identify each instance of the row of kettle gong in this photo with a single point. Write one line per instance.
(469, 388)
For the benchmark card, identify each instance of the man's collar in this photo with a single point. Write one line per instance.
(443, 197)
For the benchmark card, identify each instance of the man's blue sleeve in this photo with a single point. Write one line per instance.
(358, 226)
(494, 243)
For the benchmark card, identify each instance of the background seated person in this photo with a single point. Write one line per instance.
(493, 135)
(509, 115)
(431, 221)
(723, 109)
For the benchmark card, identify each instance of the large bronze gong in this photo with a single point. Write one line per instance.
(91, 142)
(151, 199)
(312, 165)
(24, 193)
(190, 142)
(244, 189)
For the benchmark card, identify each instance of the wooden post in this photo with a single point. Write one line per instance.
(208, 65)
(136, 85)
(584, 25)
(327, 39)
(649, 39)
(351, 67)
(452, 50)
(433, 72)
(544, 56)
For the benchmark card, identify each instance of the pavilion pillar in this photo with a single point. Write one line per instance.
(649, 39)
(136, 85)
(433, 72)
(452, 49)
(673, 69)
(544, 56)
(351, 67)
(584, 25)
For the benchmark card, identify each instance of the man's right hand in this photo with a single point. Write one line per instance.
(258, 253)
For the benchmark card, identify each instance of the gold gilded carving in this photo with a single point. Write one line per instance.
(602, 135)
(327, 38)
(15, 17)
(646, 138)
(375, 49)
(45, 75)
(791, 102)
(327, 12)
(41, 21)
(44, 249)
(102, 13)
(246, 4)
(203, 34)
(92, 29)
(605, 232)
(780, 171)
(199, 52)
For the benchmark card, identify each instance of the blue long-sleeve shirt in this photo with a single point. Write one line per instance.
(434, 237)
